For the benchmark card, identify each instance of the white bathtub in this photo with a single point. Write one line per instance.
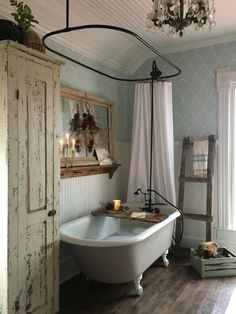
(114, 250)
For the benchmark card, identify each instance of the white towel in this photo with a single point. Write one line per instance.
(200, 158)
(103, 157)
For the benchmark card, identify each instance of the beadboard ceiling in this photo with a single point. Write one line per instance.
(118, 51)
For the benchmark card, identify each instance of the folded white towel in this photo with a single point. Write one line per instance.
(200, 158)
(138, 215)
(103, 156)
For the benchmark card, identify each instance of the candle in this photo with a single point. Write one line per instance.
(116, 204)
(73, 145)
(67, 139)
(73, 150)
(61, 146)
(67, 145)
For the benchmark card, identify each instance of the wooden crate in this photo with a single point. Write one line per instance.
(215, 266)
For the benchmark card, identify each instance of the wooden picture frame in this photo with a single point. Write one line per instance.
(70, 164)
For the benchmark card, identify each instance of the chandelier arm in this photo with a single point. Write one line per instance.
(68, 29)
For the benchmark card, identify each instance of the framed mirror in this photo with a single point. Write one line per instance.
(87, 130)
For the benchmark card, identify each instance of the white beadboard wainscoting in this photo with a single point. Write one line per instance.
(81, 195)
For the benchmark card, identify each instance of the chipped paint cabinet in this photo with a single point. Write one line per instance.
(29, 174)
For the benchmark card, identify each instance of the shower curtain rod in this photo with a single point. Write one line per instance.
(155, 75)
(69, 29)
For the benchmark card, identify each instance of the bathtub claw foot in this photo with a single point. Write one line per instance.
(164, 259)
(138, 287)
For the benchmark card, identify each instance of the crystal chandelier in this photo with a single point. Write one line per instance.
(176, 15)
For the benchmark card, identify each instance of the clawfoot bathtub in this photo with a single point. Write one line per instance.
(114, 250)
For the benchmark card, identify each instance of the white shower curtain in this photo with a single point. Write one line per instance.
(163, 141)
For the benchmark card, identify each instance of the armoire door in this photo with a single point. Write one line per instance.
(38, 183)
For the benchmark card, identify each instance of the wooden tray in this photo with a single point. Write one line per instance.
(150, 217)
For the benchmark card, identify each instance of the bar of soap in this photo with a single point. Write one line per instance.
(138, 215)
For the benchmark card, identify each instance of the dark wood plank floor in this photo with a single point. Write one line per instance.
(172, 290)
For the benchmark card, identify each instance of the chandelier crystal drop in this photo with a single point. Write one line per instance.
(175, 15)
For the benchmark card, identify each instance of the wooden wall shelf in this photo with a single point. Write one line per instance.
(72, 172)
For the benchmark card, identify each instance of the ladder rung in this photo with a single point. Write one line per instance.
(193, 179)
(198, 217)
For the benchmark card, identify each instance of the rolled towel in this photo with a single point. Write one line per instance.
(200, 158)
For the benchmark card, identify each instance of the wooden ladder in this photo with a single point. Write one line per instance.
(208, 180)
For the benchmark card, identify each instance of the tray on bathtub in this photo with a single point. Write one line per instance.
(149, 217)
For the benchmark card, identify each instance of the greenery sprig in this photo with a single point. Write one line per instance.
(23, 15)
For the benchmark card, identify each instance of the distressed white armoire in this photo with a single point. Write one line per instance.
(29, 180)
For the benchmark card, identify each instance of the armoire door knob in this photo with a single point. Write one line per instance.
(52, 213)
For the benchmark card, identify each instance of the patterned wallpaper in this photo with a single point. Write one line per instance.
(195, 104)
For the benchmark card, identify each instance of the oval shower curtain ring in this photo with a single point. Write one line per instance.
(68, 29)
